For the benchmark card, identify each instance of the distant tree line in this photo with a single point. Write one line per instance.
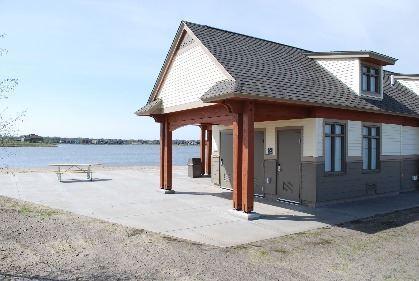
(33, 138)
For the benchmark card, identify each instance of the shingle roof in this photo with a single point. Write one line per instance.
(268, 70)
(149, 107)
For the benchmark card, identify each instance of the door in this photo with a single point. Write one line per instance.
(259, 152)
(226, 160)
(288, 182)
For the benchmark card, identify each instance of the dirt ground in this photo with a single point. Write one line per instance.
(39, 243)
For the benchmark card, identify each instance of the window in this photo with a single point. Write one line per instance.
(370, 80)
(334, 143)
(370, 147)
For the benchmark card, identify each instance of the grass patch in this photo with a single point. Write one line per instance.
(281, 251)
(39, 212)
(262, 253)
(135, 232)
(240, 247)
(321, 242)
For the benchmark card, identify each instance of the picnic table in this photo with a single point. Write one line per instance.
(64, 168)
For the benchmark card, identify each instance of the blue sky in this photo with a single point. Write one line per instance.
(85, 66)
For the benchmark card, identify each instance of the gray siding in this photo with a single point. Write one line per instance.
(410, 168)
(355, 183)
(308, 183)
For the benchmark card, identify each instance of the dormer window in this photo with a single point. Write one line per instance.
(370, 83)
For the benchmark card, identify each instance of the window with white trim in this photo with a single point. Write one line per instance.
(370, 147)
(334, 147)
(370, 80)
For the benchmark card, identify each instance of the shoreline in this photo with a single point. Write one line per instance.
(6, 170)
(27, 145)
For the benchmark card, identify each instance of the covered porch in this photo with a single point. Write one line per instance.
(241, 116)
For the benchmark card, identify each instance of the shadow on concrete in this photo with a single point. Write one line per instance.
(383, 222)
(83, 180)
(289, 217)
(224, 194)
(365, 215)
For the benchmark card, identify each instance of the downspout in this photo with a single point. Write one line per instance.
(401, 158)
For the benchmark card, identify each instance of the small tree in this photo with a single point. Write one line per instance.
(7, 122)
(7, 88)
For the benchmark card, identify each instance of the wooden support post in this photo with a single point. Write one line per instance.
(237, 160)
(248, 158)
(162, 152)
(202, 149)
(209, 150)
(167, 157)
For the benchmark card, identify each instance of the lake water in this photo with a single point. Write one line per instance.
(112, 155)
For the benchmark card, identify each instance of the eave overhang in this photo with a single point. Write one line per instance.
(153, 107)
(366, 55)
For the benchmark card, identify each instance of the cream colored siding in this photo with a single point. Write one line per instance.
(318, 137)
(270, 139)
(216, 129)
(346, 70)
(191, 74)
(390, 137)
(413, 85)
(354, 138)
(410, 140)
(312, 134)
(395, 139)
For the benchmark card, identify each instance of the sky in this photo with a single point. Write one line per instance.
(85, 66)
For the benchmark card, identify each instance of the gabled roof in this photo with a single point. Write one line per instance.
(267, 70)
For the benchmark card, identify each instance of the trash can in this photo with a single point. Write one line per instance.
(194, 168)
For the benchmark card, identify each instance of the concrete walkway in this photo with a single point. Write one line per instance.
(198, 211)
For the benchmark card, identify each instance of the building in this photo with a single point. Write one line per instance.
(283, 122)
(32, 138)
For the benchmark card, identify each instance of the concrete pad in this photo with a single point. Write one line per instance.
(246, 216)
(198, 211)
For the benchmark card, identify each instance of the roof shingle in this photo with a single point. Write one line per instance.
(266, 69)
(273, 70)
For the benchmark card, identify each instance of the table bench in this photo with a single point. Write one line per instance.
(73, 168)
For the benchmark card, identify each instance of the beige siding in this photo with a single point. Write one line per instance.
(312, 134)
(410, 141)
(354, 138)
(413, 85)
(346, 70)
(396, 140)
(216, 129)
(191, 74)
(390, 136)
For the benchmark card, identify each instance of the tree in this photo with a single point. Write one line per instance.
(7, 88)
(8, 122)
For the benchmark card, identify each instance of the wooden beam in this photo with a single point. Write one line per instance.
(342, 114)
(277, 111)
(214, 114)
(162, 152)
(202, 148)
(248, 157)
(209, 151)
(167, 157)
(237, 160)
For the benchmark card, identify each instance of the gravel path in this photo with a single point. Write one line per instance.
(38, 243)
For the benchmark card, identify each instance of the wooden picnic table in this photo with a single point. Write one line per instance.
(63, 168)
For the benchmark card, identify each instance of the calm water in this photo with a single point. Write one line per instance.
(119, 155)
